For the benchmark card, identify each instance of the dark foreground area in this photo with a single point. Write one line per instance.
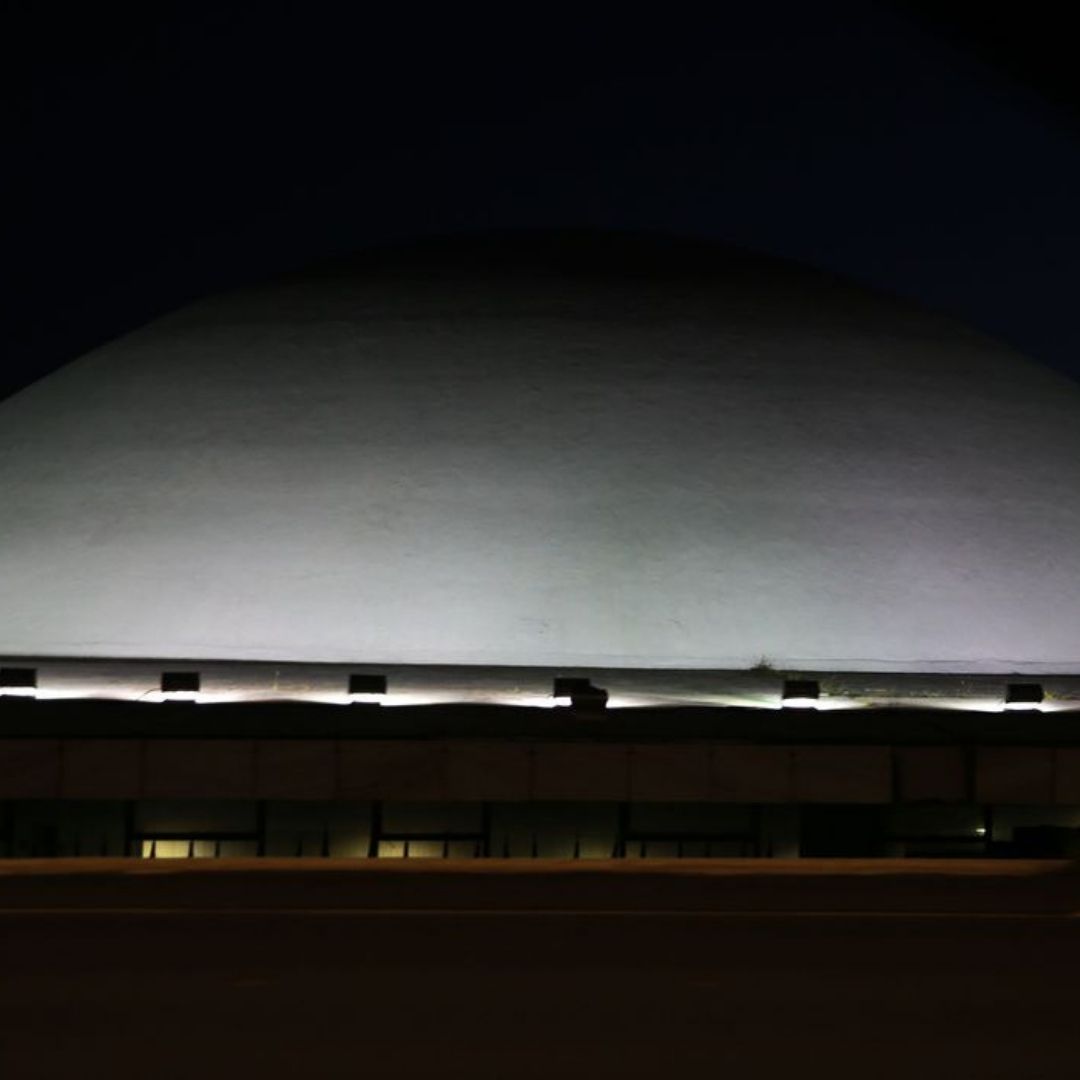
(511, 970)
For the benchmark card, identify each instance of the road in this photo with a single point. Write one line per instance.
(136, 975)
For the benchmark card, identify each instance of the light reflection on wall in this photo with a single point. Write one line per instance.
(224, 682)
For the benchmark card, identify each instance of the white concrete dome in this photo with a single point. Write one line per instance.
(564, 451)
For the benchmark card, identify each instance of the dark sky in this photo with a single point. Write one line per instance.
(191, 147)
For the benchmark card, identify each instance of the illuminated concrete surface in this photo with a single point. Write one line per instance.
(833, 969)
(450, 462)
(233, 682)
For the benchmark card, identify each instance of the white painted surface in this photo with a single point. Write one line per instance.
(525, 470)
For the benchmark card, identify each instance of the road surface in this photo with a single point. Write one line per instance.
(812, 970)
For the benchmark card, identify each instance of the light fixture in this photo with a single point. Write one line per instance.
(578, 694)
(18, 682)
(367, 689)
(1019, 696)
(800, 694)
(180, 685)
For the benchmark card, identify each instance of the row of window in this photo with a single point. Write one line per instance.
(223, 829)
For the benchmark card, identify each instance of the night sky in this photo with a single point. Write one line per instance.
(191, 147)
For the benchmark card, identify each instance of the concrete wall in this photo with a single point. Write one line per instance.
(508, 771)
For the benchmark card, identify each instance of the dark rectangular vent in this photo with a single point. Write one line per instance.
(581, 693)
(1023, 695)
(367, 684)
(18, 678)
(180, 682)
(801, 692)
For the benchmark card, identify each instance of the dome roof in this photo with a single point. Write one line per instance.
(563, 451)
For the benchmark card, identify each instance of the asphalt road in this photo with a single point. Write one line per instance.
(233, 983)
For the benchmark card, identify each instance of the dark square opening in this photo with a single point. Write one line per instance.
(18, 678)
(367, 684)
(580, 692)
(801, 688)
(1024, 694)
(173, 682)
